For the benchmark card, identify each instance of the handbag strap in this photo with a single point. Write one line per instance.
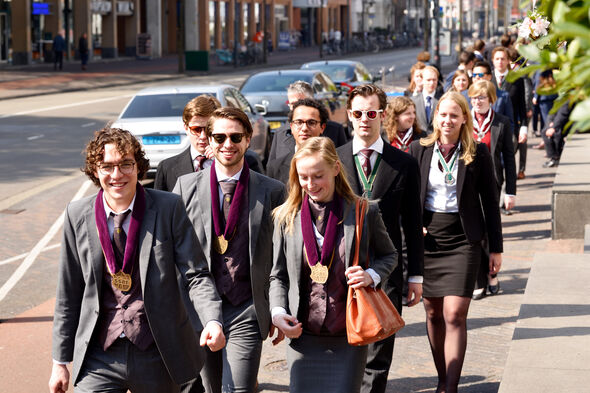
(359, 211)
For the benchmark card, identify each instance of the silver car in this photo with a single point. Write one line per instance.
(154, 116)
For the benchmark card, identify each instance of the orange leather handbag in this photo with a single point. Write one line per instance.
(370, 315)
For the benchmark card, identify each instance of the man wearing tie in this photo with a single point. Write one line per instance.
(198, 156)
(427, 100)
(384, 173)
(119, 313)
(230, 208)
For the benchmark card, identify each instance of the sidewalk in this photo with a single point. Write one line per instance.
(25, 340)
(39, 79)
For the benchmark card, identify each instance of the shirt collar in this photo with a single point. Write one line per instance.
(357, 146)
(195, 153)
(108, 210)
(498, 73)
(222, 177)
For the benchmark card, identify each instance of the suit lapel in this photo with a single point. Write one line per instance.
(461, 172)
(347, 160)
(349, 228)
(495, 130)
(256, 202)
(98, 261)
(185, 164)
(296, 248)
(385, 175)
(425, 170)
(204, 205)
(146, 238)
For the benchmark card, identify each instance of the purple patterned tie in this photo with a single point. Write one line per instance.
(366, 164)
(119, 236)
(227, 188)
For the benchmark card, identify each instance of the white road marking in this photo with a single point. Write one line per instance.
(32, 256)
(21, 256)
(32, 138)
(89, 124)
(52, 108)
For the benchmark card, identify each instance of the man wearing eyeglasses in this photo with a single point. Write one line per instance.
(385, 174)
(119, 314)
(230, 208)
(198, 155)
(308, 118)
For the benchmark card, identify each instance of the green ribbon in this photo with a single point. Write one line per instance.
(367, 183)
(449, 179)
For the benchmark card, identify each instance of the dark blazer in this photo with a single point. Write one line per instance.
(279, 168)
(397, 190)
(167, 244)
(477, 196)
(285, 276)
(503, 106)
(170, 169)
(264, 194)
(421, 112)
(283, 141)
(517, 95)
(502, 152)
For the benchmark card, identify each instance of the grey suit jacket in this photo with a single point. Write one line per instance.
(421, 112)
(285, 276)
(167, 244)
(264, 194)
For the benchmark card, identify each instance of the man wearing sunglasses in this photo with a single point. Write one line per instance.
(503, 104)
(383, 173)
(119, 313)
(230, 208)
(307, 118)
(198, 155)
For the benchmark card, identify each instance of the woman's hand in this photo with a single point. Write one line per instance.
(424, 231)
(495, 262)
(288, 324)
(357, 277)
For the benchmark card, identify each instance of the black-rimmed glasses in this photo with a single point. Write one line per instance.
(311, 123)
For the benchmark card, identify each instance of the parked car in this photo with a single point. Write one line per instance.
(345, 73)
(154, 115)
(269, 88)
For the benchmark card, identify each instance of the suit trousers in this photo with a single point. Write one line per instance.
(124, 367)
(380, 354)
(521, 148)
(235, 367)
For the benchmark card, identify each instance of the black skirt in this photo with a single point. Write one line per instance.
(451, 263)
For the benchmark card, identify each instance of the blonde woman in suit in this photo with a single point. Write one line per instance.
(460, 210)
(313, 250)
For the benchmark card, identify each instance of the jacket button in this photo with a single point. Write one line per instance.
(125, 307)
(226, 259)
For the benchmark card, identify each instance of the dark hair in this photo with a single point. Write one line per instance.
(456, 75)
(125, 143)
(203, 105)
(231, 114)
(367, 91)
(466, 57)
(313, 103)
(479, 45)
(501, 49)
(505, 40)
(483, 64)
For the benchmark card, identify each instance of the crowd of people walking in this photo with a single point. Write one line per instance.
(175, 288)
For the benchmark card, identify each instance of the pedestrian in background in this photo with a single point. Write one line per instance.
(59, 46)
(314, 231)
(83, 50)
(460, 208)
(401, 124)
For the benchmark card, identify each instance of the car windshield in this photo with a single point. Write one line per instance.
(272, 82)
(337, 72)
(158, 105)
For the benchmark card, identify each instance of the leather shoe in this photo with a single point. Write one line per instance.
(520, 175)
(494, 289)
(550, 164)
(479, 294)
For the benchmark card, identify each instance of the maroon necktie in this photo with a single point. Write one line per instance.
(227, 188)
(200, 161)
(366, 164)
(119, 236)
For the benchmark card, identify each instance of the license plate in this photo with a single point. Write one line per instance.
(161, 140)
(274, 124)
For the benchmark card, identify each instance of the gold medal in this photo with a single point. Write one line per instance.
(220, 244)
(319, 273)
(121, 281)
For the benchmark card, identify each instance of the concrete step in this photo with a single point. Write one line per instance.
(550, 349)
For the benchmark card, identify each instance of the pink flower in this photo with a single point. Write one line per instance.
(526, 28)
(540, 27)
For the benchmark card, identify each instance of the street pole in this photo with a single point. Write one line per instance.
(437, 34)
(426, 26)
(237, 9)
(486, 30)
(180, 36)
(321, 22)
(460, 38)
(67, 11)
(264, 36)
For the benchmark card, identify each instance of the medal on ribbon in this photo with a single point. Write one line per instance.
(120, 275)
(404, 142)
(223, 236)
(448, 169)
(367, 183)
(320, 265)
(481, 131)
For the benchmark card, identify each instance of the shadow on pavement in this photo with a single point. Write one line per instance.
(27, 320)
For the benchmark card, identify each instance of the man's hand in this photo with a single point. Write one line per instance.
(357, 277)
(288, 324)
(209, 152)
(280, 335)
(414, 293)
(550, 132)
(213, 337)
(60, 378)
(509, 202)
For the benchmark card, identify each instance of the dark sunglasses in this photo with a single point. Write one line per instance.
(197, 130)
(479, 75)
(220, 138)
(371, 115)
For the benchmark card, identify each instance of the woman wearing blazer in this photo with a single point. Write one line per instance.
(495, 131)
(401, 125)
(313, 251)
(460, 209)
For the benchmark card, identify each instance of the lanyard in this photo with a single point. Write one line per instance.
(485, 127)
(403, 143)
(367, 183)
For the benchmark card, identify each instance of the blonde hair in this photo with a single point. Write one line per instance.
(324, 147)
(465, 134)
(483, 87)
(396, 107)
